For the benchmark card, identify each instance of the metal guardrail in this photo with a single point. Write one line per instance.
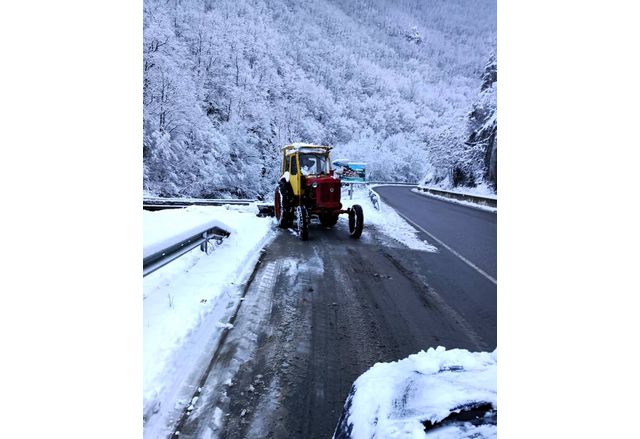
(392, 183)
(162, 257)
(375, 198)
(477, 199)
(178, 203)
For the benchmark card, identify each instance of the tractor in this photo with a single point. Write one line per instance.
(309, 188)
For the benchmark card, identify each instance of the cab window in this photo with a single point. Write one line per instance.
(314, 164)
(293, 168)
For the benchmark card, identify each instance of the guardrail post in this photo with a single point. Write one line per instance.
(205, 244)
(375, 199)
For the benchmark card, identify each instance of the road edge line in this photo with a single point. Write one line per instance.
(462, 258)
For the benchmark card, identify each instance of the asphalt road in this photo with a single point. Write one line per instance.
(320, 313)
(469, 231)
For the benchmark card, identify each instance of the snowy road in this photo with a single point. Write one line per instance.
(469, 232)
(320, 313)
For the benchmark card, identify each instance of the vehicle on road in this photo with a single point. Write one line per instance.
(310, 189)
(434, 394)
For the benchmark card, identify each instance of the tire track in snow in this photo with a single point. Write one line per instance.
(265, 283)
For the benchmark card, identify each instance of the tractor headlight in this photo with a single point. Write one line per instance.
(314, 184)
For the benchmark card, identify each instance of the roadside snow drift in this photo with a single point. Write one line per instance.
(188, 302)
(386, 220)
(462, 202)
(424, 391)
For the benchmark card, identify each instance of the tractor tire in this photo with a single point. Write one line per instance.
(328, 219)
(303, 223)
(356, 221)
(282, 211)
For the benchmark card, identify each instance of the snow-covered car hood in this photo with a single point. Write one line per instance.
(435, 394)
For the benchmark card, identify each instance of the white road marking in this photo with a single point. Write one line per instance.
(462, 258)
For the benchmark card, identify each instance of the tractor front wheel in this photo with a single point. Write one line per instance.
(303, 223)
(356, 221)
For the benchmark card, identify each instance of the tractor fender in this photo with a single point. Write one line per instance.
(287, 193)
(286, 176)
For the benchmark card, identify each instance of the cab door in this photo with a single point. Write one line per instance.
(294, 174)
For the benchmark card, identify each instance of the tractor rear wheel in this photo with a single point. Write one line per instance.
(283, 213)
(356, 221)
(303, 223)
(328, 219)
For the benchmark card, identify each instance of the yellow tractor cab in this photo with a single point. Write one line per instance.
(308, 188)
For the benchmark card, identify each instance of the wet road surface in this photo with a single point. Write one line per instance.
(471, 232)
(320, 313)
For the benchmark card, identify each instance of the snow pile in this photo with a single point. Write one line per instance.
(188, 302)
(394, 399)
(166, 231)
(462, 202)
(385, 220)
(481, 190)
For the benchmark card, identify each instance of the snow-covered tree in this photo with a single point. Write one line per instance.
(228, 82)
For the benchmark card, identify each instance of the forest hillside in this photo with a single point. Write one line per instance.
(407, 86)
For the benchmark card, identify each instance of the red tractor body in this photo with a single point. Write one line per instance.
(324, 193)
(309, 188)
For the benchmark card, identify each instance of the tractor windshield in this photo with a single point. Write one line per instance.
(314, 164)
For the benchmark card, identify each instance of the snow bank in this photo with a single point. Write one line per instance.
(386, 220)
(196, 288)
(160, 235)
(453, 200)
(394, 399)
(481, 190)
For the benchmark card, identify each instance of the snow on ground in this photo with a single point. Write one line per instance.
(483, 189)
(188, 302)
(463, 202)
(386, 220)
(394, 399)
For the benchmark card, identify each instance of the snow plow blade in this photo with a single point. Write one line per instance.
(265, 210)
